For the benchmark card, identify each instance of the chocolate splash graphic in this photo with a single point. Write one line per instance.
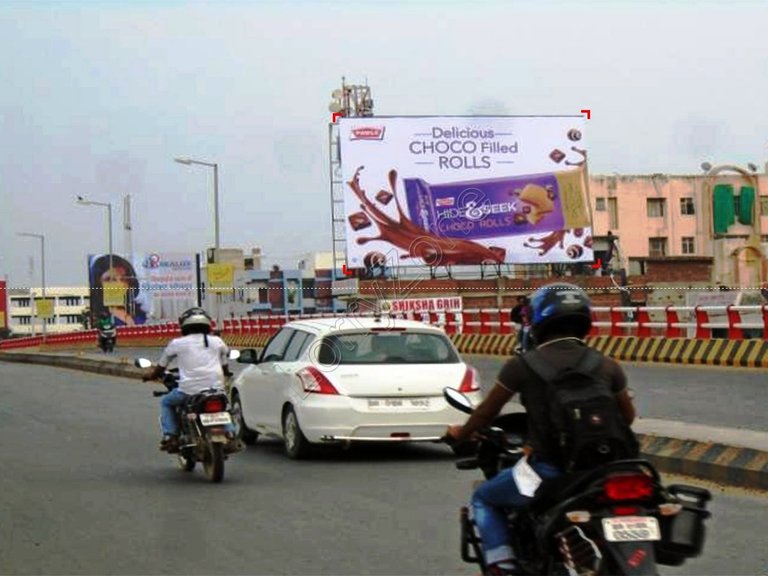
(418, 243)
(546, 243)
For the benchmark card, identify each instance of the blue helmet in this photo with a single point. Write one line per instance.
(560, 305)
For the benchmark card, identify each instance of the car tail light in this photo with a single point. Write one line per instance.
(214, 405)
(315, 382)
(628, 487)
(471, 382)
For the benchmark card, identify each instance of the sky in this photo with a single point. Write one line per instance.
(98, 97)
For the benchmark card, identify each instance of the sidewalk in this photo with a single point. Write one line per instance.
(732, 456)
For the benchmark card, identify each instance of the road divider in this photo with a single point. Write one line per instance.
(715, 352)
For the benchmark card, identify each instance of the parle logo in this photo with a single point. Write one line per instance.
(367, 133)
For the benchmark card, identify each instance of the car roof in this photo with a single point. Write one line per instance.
(323, 326)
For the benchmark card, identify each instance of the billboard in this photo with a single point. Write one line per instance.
(456, 190)
(154, 286)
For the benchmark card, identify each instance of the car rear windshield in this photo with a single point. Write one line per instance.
(387, 348)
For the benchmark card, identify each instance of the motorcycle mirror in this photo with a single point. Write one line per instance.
(142, 363)
(234, 354)
(457, 400)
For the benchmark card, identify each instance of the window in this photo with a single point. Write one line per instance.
(21, 302)
(70, 300)
(688, 245)
(386, 347)
(296, 346)
(655, 207)
(276, 346)
(24, 320)
(600, 204)
(613, 213)
(686, 207)
(657, 247)
(764, 205)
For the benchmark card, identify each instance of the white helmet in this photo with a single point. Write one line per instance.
(195, 320)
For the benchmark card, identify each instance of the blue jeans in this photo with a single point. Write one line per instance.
(489, 502)
(168, 406)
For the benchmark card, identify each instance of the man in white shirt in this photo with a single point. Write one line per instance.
(202, 361)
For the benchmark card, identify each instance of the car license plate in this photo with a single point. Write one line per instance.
(631, 529)
(394, 404)
(216, 419)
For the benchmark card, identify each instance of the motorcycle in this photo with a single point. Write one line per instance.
(616, 519)
(107, 339)
(203, 421)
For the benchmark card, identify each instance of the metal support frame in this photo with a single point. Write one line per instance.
(338, 222)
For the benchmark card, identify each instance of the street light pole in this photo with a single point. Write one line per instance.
(108, 205)
(41, 237)
(216, 223)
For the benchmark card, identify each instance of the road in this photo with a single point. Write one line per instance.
(728, 397)
(84, 490)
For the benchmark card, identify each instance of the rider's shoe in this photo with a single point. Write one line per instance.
(169, 444)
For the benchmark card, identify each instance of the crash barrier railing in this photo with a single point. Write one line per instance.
(701, 322)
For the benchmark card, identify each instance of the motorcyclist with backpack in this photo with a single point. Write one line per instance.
(561, 319)
(202, 360)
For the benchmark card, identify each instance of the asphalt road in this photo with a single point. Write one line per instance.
(84, 490)
(727, 397)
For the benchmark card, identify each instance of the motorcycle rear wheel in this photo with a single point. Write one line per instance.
(213, 462)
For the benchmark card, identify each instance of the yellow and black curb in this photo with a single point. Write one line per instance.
(714, 352)
(731, 465)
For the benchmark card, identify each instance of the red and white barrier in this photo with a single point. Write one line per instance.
(643, 321)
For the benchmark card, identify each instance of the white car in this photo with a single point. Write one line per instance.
(340, 380)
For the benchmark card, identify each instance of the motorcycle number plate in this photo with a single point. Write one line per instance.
(631, 529)
(215, 419)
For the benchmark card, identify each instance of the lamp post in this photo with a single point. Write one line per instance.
(188, 162)
(108, 205)
(41, 237)
(216, 223)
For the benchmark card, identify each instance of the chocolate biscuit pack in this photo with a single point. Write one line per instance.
(512, 206)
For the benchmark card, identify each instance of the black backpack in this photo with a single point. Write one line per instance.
(586, 423)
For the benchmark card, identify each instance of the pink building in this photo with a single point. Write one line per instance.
(713, 215)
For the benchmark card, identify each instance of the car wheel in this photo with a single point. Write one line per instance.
(296, 444)
(245, 434)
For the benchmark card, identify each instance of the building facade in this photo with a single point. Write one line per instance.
(659, 216)
(70, 307)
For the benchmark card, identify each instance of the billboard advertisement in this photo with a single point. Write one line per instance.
(152, 287)
(457, 190)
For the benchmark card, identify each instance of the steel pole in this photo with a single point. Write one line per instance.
(42, 259)
(217, 240)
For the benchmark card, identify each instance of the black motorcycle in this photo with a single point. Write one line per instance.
(107, 339)
(616, 519)
(203, 436)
